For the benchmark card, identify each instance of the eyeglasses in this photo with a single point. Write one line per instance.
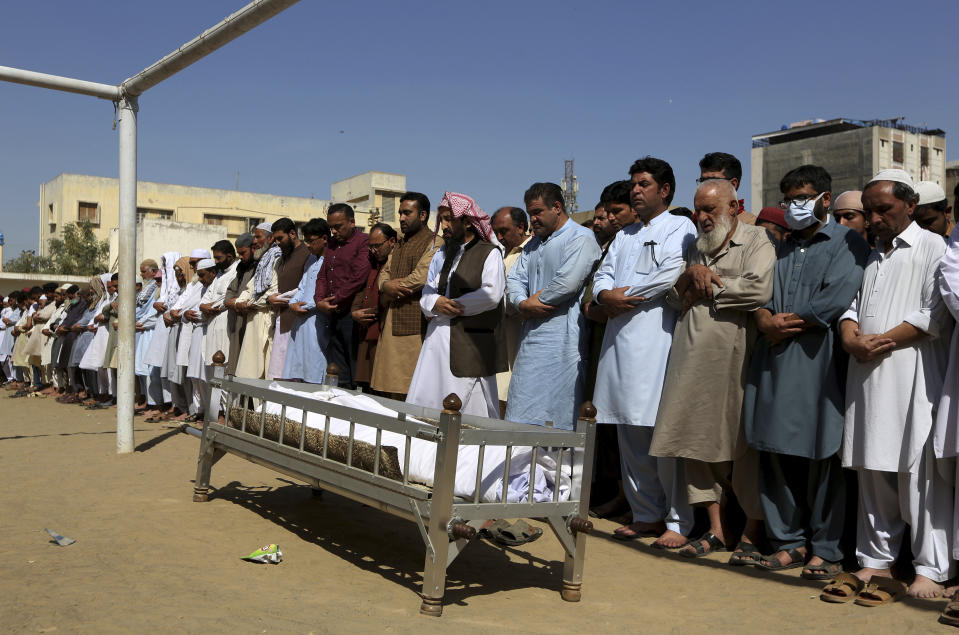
(801, 201)
(374, 247)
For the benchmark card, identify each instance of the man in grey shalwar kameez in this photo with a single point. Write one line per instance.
(793, 408)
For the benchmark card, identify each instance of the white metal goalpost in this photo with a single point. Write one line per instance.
(125, 96)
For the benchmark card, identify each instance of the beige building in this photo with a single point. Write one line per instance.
(378, 192)
(852, 152)
(69, 198)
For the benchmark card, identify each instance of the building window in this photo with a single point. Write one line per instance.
(53, 227)
(897, 152)
(89, 212)
(924, 157)
(389, 209)
(154, 214)
(51, 217)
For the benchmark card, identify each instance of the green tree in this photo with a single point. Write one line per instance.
(78, 253)
(28, 262)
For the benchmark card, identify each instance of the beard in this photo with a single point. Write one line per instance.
(709, 242)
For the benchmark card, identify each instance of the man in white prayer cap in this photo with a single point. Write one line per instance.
(196, 370)
(932, 211)
(897, 332)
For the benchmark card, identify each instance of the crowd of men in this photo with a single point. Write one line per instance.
(799, 365)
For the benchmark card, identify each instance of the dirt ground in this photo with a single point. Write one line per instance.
(149, 559)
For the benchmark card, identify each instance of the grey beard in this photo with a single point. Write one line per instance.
(708, 242)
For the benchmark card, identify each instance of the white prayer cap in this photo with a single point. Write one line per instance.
(42, 297)
(206, 263)
(267, 227)
(64, 286)
(200, 253)
(930, 192)
(896, 175)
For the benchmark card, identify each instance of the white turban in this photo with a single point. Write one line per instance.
(896, 175)
(200, 253)
(206, 263)
(43, 297)
(267, 227)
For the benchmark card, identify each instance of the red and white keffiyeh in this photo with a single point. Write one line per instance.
(463, 205)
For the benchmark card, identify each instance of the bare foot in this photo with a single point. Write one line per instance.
(866, 573)
(923, 587)
(950, 591)
(671, 539)
(813, 562)
(639, 528)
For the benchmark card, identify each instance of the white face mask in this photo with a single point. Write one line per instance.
(802, 216)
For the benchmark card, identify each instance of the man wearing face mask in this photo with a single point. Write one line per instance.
(793, 405)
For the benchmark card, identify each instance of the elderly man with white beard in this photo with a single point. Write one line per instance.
(728, 276)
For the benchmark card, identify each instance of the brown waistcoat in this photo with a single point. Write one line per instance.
(477, 343)
(406, 314)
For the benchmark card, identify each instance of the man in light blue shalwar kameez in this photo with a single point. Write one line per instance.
(305, 356)
(545, 286)
(643, 262)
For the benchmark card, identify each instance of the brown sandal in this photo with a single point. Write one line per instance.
(841, 589)
(950, 614)
(879, 591)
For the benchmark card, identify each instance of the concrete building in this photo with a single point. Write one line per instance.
(851, 150)
(69, 198)
(952, 179)
(378, 192)
(154, 237)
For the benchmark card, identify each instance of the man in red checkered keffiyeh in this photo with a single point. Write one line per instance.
(463, 205)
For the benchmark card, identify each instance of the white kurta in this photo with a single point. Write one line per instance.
(189, 300)
(253, 358)
(215, 334)
(891, 402)
(94, 356)
(194, 367)
(635, 350)
(947, 418)
(432, 380)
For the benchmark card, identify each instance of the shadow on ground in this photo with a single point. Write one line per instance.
(380, 543)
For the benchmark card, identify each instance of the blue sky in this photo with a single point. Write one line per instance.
(483, 98)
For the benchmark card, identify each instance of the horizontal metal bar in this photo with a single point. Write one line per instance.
(540, 437)
(391, 423)
(57, 82)
(224, 32)
(470, 511)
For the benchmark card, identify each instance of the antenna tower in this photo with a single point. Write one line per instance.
(570, 187)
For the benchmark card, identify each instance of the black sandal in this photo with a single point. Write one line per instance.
(713, 544)
(825, 571)
(796, 559)
(745, 554)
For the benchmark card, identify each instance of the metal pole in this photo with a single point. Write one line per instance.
(127, 124)
(224, 32)
(56, 82)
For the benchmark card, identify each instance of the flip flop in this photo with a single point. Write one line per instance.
(503, 532)
(624, 533)
(880, 591)
(745, 554)
(825, 571)
(796, 559)
(841, 589)
(713, 544)
(950, 614)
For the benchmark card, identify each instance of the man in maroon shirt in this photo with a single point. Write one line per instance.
(343, 273)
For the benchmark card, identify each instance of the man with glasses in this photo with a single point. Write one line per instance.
(795, 394)
(401, 283)
(367, 311)
(720, 165)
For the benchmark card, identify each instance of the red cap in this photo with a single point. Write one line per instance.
(775, 215)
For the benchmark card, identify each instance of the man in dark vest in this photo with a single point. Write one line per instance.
(248, 257)
(401, 282)
(463, 299)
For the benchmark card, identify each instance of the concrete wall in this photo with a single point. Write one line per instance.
(852, 158)
(847, 156)
(13, 281)
(154, 237)
(377, 191)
